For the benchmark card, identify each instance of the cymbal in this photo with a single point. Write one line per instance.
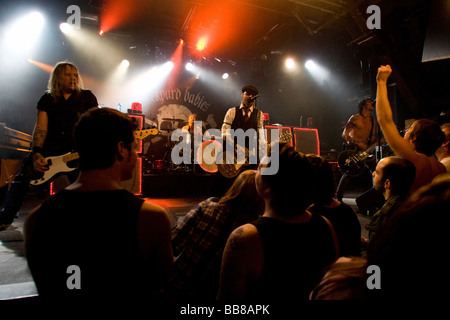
(173, 119)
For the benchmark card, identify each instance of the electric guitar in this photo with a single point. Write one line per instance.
(352, 162)
(231, 170)
(60, 164)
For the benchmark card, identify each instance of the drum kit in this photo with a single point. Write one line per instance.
(157, 159)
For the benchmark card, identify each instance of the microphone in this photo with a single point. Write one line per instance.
(253, 98)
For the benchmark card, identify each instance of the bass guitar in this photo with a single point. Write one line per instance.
(231, 170)
(60, 164)
(352, 162)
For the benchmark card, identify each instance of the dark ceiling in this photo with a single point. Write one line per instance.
(239, 29)
(249, 32)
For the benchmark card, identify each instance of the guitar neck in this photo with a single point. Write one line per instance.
(71, 157)
(373, 146)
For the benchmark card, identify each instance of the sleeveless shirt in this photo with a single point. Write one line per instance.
(95, 231)
(295, 254)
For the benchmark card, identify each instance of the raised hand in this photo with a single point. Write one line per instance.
(383, 73)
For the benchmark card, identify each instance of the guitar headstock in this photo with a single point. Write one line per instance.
(285, 136)
(142, 134)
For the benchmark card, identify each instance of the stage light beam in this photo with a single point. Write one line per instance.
(318, 72)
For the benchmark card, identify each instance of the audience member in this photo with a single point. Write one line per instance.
(443, 152)
(409, 252)
(394, 177)
(200, 237)
(411, 249)
(119, 243)
(280, 256)
(420, 142)
(342, 216)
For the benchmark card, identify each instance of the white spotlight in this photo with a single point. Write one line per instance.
(168, 65)
(125, 64)
(65, 27)
(310, 64)
(290, 63)
(225, 76)
(189, 66)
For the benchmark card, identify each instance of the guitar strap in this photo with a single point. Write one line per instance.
(369, 140)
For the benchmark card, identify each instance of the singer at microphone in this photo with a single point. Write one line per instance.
(245, 116)
(251, 99)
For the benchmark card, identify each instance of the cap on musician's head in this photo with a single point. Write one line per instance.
(250, 90)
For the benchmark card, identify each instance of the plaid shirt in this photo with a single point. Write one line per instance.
(198, 242)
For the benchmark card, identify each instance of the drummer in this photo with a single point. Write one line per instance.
(189, 127)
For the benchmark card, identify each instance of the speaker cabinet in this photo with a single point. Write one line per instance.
(307, 140)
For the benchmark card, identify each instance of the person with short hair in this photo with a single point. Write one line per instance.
(420, 142)
(394, 177)
(279, 257)
(119, 242)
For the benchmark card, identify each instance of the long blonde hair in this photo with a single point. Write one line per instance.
(56, 81)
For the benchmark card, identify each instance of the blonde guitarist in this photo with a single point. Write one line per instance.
(360, 132)
(57, 112)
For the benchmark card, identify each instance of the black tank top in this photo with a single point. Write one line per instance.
(294, 257)
(96, 231)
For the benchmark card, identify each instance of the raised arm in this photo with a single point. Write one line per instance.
(400, 146)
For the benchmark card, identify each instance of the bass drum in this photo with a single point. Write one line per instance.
(206, 155)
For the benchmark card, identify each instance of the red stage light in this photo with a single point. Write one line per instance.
(201, 44)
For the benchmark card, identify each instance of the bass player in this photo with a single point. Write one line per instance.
(58, 111)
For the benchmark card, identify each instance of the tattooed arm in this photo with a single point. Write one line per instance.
(39, 134)
(242, 263)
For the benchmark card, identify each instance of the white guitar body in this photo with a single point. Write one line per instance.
(57, 164)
